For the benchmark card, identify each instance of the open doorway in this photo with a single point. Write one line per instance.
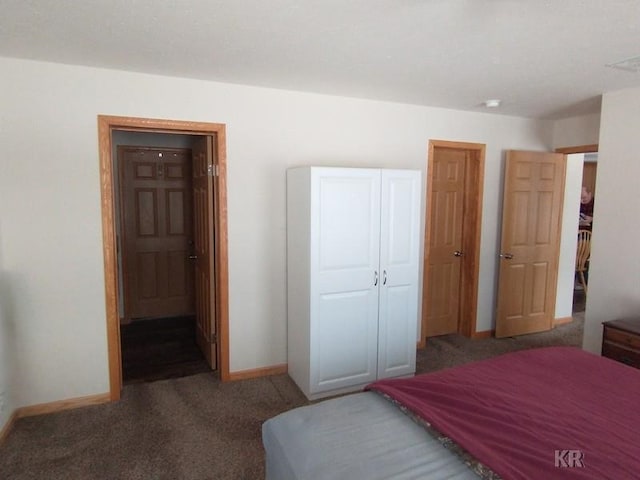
(585, 226)
(208, 190)
(585, 179)
(155, 228)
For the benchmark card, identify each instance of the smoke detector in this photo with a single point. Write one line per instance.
(492, 103)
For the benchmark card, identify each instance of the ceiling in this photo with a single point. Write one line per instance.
(542, 58)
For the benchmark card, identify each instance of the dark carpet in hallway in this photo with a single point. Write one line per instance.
(157, 349)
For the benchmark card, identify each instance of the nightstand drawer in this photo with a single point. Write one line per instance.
(621, 354)
(623, 338)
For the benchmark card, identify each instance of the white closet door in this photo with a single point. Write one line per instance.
(399, 263)
(345, 246)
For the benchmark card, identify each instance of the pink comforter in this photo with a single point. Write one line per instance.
(555, 412)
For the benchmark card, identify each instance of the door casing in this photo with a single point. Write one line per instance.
(106, 125)
(472, 219)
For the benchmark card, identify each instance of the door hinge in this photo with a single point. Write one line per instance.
(212, 170)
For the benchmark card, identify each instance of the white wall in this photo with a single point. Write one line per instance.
(614, 273)
(569, 239)
(6, 358)
(574, 131)
(7, 335)
(53, 241)
(6, 362)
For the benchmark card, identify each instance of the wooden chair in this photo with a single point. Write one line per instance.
(582, 255)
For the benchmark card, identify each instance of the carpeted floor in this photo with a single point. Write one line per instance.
(158, 349)
(196, 427)
(451, 350)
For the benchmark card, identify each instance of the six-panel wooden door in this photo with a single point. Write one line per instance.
(530, 245)
(156, 206)
(446, 212)
(203, 206)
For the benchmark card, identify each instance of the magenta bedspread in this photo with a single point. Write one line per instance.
(556, 412)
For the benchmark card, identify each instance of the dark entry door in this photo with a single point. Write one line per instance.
(157, 218)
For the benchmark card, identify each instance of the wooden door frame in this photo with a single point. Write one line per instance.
(472, 218)
(106, 125)
(578, 149)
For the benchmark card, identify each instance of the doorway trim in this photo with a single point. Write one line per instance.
(472, 218)
(578, 149)
(106, 125)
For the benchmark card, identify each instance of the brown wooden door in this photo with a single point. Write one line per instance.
(445, 241)
(589, 171)
(203, 212)
(530, 245)
(156, 216)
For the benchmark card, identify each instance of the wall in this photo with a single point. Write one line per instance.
(575, 131)
(614, 274)
(6, 359)
(53, 241)
(7, 334)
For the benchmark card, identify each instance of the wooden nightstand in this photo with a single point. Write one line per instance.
(621, 341)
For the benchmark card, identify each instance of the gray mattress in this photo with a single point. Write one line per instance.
(359, 436)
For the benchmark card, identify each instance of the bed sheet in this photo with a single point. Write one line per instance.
(359, 436)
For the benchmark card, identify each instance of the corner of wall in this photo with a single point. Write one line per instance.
(7, 357)
(576, 131)
(7, 409)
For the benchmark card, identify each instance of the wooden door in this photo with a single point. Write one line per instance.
(400, 208)
(156, 216)
(445, 242)
(530, 245)
(589, 171)
(345, 277)
(204, 259)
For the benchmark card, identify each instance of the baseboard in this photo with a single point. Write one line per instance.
(562, 321)
(482, 334)
(52, 407)
(4, 433)
(258, 372)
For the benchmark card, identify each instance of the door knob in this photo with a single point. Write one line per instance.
(457, 253)
(506, 256)
(193, 257)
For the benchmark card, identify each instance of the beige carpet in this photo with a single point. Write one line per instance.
(196, 427)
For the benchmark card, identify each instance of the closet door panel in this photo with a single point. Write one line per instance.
(343, 344)
(399, 263)
(345, 247)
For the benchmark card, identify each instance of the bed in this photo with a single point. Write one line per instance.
(555, 412)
